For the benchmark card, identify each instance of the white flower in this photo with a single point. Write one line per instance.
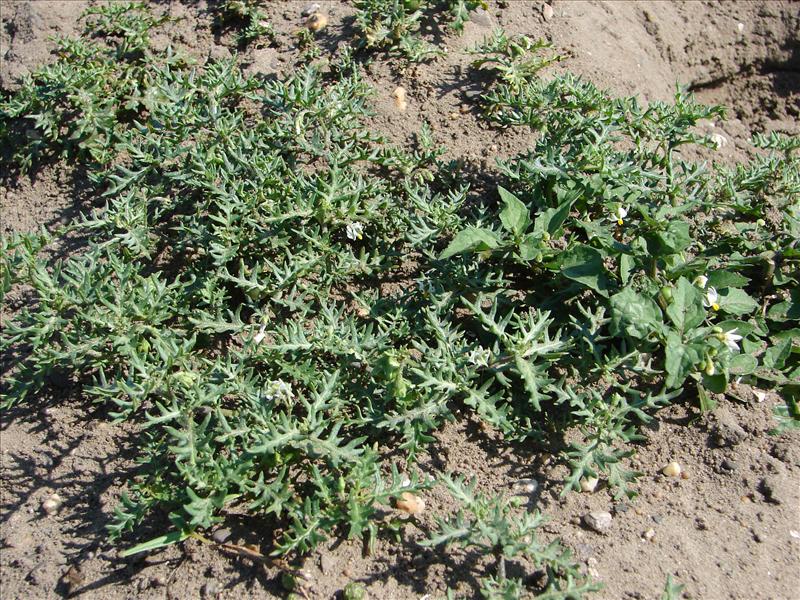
(712, 299)
(355, 231)
(480, 357)
(701, 281)
(619, 215)
(279, 391)
(731, 339)
(259, 337)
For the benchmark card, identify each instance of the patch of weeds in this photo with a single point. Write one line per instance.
(394, 25)
(250, 20)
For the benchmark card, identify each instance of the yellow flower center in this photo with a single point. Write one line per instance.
(715, 306)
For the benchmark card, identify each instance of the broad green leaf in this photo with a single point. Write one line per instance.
(788, 310)
(515, 216)
(716, 383)
(736, 302)
(680, 360)
(724, 279)
(584, 264)
(550, 220)
(634, 315)
(707, 403)
(742, 364)
(674, 239)
(776, 355)
(471, 238)
(686, 309)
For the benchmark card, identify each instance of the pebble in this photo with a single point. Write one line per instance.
(700, 524)
(599, 521)
(589, 484)
(729, 465)
(221, 535)
(316, 22)
(310, 9)
(399, 95)
(720, 141)
(52, 504)
(650, 534)
(740, 27)
(525, 486)
(794, 534)
(210, 589)
(410, 503)
(326, 564)
(673, 469)
(547, 12)
(473, 94)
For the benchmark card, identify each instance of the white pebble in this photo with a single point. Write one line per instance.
(589, 484)
(399, 96)
(547, 12)
(649, 534)
(673, 469)
(740, 27)
(52, 505)
(599, 521)
(720, 141)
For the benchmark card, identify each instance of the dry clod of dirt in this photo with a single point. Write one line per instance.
(547, 12)
(726, 431)
(410, 503)
(399, 96)
(599, 521)
(310, 9)
(317, 22)
(52, 504)
(673, 469)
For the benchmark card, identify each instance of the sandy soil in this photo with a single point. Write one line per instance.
(731, 529)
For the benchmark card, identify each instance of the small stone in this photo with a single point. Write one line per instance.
(399, 95)
(719, 140)
(347, 572)
(316, 22)
(650, 534)
(473, 95)
(757, 538)
(410, 503)
(326, 564)
(310, 9)
(589, 484)
(700, 524)
(657, 519)
(210, 589)
(726, 431)
(775, 489)
(525, 486)
(547, 12)
(481, 17)
(794, 534)
(221, 535)
(599, 521)
(52, 504)
(729, 465)
(673, 469)
(620, 507)
(740, 27)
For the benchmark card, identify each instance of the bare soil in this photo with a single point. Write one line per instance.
(730, 529)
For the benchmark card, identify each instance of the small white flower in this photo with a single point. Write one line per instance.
(731, 339)
(480, 357)
(355, 230)
(719, 140)
(262, 333)
(619, 215)
(279, 391)
(701, 281)
(712, 299)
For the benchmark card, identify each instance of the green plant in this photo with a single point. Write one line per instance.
(494, 528)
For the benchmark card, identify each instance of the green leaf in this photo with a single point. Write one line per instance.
(626, 264)
(707, 403)
(634, 315)
(716, 383)
(724, 279)
(584, 264)
(680, 360)
(788, 310)
(736, 302)
(550, 220)
(742, 364)
(471, 238)
(515, 216)
(674, 239)
(156, 543)
(686, 309)
(776, 355)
